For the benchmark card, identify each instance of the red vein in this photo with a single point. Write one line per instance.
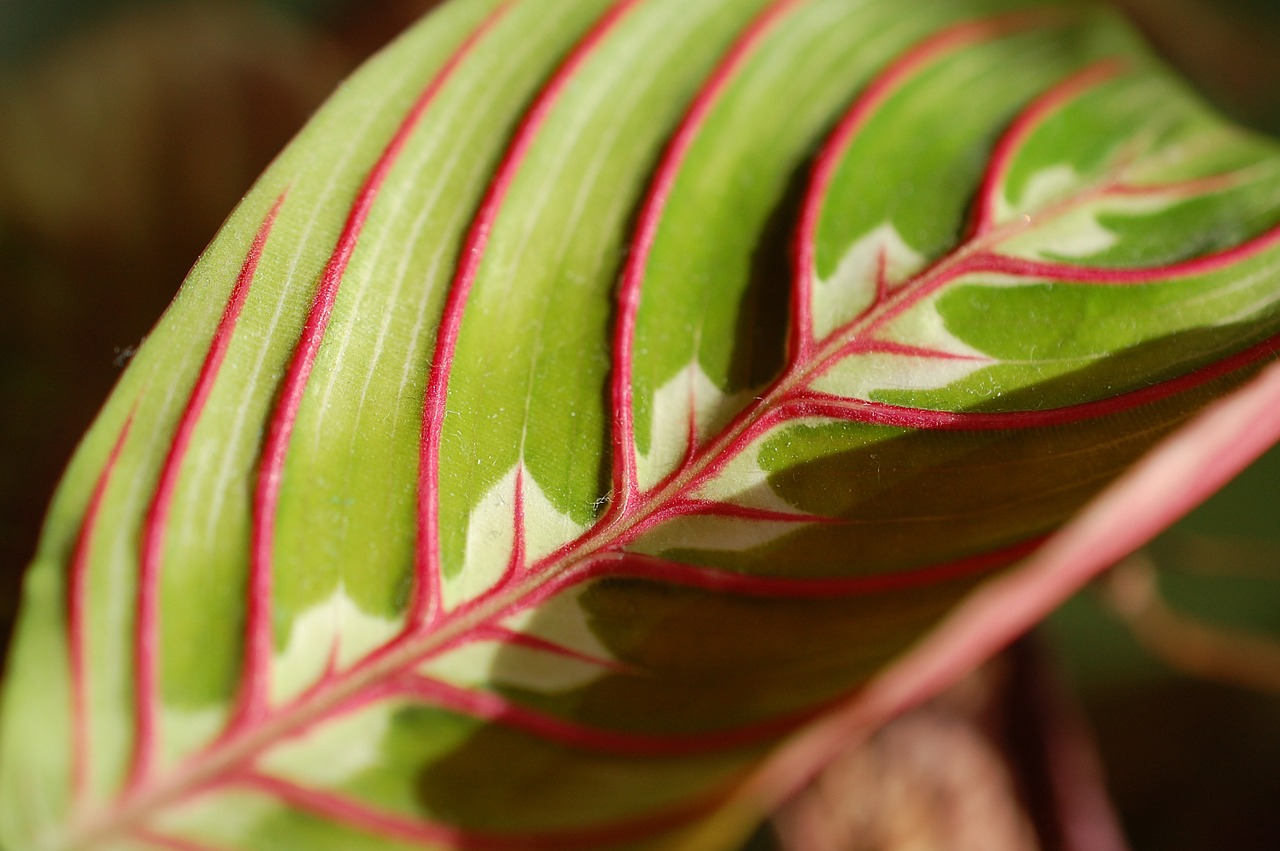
(514, 638)
(255, 681)
(625, 480)
(156, 524)
(691, 426)
(867, 346)
(829, 159)
(993, 182)
(425, 607)
(629, 565)
(1115, 275)
(812, 403)
(652, 568)
(491, 707)
(338, 808)
(516, 563)
(77, 615)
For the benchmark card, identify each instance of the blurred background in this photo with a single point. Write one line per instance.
(129, 129)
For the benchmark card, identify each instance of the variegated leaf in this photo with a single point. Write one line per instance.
(596, 392)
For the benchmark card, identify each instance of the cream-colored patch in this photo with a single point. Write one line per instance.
(1076, 232)
(491, 535)
(223, 818)
(689, 394)
(862, 376)
(851, 289)
(333, 625)
(561, 620)
(713, 533)
(496, 663)
(744, 482)
(334, 751)
(1042, 188)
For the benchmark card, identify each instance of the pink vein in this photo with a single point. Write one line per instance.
(804, 266)
(257, 664)
(1006, 150)
(505, 635)
(881, 413)
(77, 615)
(1068, 273)
(338, 808)
(625, 484)
(628, 565)
(638, 566)
(426, 603)
(155, 527)
(976, 256)
(488, 706)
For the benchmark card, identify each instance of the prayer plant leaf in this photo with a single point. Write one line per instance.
(595, 393)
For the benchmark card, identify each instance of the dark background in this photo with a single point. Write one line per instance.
(129, 128)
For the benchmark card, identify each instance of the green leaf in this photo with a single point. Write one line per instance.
(593, 395)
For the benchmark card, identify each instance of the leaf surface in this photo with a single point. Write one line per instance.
(593, 395)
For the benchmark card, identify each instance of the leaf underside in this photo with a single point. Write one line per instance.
(595, 393)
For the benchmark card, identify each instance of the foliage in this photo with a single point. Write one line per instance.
(589, 399)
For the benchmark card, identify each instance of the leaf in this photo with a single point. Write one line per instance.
(588, 399)
(1184, 469)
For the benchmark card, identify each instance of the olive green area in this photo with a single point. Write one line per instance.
(501, 779)
(914, 499)
(766, 659)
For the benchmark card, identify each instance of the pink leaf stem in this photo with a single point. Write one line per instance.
(426, 606)
(256, 678)
(629, 565)
(625, 479)
(156, 525)
(77, 616)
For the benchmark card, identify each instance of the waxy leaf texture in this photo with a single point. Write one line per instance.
(596, 393)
